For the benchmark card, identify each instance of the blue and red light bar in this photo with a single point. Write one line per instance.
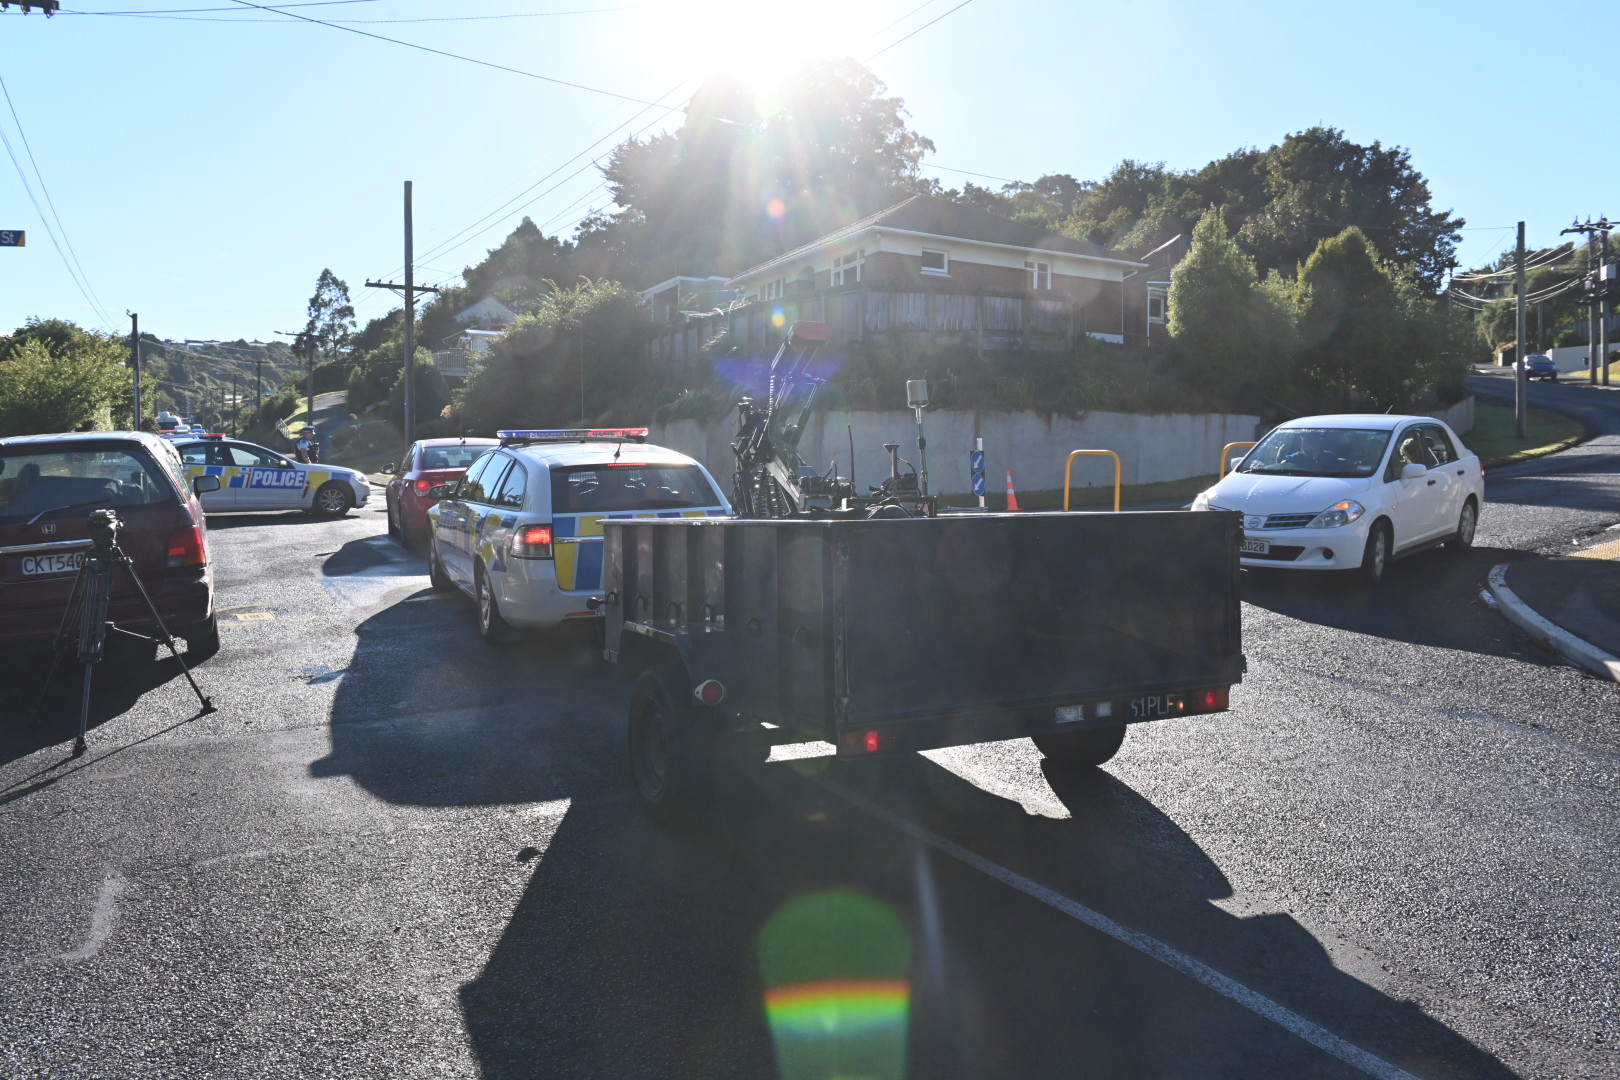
(529, 435)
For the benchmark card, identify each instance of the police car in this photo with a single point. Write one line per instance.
(254, 478)
(521, 531)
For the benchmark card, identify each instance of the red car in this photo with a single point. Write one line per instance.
(49, 485)
(426, 463)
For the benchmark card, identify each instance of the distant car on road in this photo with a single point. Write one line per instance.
(1351, 493)
(1539, 366)
(424, 464)
(49, 484)
(521, 532)
(253, 477)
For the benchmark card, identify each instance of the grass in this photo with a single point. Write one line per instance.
(1493, 437)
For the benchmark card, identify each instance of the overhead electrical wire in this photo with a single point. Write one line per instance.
(69, 264)
(360, 22)
(468, 59)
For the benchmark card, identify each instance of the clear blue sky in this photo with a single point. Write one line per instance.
(207, 167)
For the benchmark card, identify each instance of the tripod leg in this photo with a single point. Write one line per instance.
(69, 614)
(167, 638)
(84, 711)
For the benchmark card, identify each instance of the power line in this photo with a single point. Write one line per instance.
(471, 60)
(358, 22)
(101, 312)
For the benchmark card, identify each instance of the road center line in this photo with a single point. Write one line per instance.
(1202, 973)
(102, 919)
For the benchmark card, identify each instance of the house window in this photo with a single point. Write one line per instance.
(1155, 309)
(846, 269)
(935, 262)
(1040, 274)
(772, 290)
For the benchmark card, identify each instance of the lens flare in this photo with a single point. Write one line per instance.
(777, 209)
(837, 998)
(778, 318)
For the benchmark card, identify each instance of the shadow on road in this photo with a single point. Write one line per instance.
(634, 952)
(1418, 602)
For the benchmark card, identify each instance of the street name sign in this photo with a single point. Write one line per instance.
(12, 238)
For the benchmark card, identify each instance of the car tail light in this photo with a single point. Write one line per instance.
(422, 485)
(187, 548)
(532, 542)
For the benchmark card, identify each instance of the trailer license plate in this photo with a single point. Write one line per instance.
(1156, 706)
(52, 564)
(1254, 546)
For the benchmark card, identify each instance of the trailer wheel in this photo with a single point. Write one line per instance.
(1081, 749)
(671, 748)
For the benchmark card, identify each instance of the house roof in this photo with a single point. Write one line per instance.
(939, 216)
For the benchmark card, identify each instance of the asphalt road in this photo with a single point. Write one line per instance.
(394, 851)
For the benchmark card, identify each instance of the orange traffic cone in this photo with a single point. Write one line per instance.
(1012, 496)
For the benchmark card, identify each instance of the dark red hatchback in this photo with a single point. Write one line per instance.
(427, 462)
(49, 484)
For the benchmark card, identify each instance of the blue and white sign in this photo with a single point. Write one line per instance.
(976, 466)
(13, 238)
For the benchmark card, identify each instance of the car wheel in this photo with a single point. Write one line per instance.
(1375, 560)
(1081, 749)
(436, 575)
(496, 630)
(671, 748)
(202, 640)
(394, 528)
(1553, 377)
(1467, 521)
(331, 500)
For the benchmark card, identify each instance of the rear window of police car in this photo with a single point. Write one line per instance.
(606, 489)
(39, 479)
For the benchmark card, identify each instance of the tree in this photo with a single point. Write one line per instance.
(331, 318)
(55, 376)
(1229, 334)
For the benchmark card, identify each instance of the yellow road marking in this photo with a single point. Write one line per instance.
(1608, 550)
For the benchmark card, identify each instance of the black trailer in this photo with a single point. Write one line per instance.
(882, 635)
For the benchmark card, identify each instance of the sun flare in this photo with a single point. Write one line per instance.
(763, 45)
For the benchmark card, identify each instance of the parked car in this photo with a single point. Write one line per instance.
(521, 531)
(424, 464)
(254, 477)
(1351, 493)
(49, 485)
(1539, 366)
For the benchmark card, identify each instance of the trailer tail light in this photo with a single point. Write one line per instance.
(709, 692)
(1214, 700)
(871, 741)
(187, 548)
(532, 542)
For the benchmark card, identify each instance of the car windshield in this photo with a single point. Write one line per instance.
(42, 480)
(603, 489)
(450, 457)
(1318, 451)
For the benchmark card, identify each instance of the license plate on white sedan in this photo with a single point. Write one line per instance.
(1253, 545)
(63, 563)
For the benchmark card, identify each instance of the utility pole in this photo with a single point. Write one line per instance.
(236, 405)
(1597, 295)
(258, 385)
(410, 289)
(1519, 379)
(135, 357)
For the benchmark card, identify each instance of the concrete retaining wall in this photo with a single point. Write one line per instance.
(1151, 448)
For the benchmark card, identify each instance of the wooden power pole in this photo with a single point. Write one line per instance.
(410, 289)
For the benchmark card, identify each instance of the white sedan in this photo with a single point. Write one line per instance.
(1351, 493)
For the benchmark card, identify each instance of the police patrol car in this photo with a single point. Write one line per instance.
(254, 478)
(521, 532)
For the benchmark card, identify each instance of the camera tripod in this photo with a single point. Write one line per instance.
(86, 617)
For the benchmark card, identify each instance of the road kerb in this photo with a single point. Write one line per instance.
(1577, 650)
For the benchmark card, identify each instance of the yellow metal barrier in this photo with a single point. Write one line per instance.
(1227, 449)
(1068, 466)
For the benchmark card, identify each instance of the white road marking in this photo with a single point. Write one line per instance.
(102, 919)
(1202, 973)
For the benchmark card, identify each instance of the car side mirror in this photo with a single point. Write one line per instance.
(441, 491)
(1412, 470)
(388, 468)
(205, 483)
